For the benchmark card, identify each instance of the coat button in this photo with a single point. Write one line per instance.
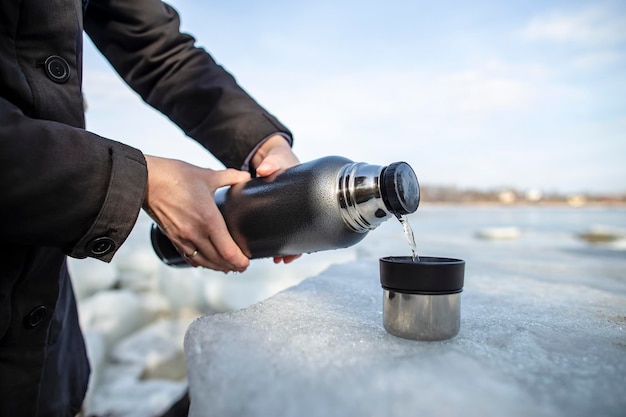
(57, 69)
(101, 246)
(35, 317)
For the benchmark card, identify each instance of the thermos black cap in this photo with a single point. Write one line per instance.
(400, 189)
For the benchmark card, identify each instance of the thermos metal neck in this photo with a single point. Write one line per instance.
(360, 198)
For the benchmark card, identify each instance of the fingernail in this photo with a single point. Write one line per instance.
(261, 167)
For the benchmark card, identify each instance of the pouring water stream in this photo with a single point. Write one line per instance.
(408, 232)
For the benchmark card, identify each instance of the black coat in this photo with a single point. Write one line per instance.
(67, 191)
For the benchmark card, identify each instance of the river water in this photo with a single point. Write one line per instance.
(545, 267)
(546, 247)
(546, 244)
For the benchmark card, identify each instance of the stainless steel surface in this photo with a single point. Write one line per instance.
(422, 317)
(360, 200)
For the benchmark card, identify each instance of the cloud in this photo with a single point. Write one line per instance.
(477, 93)
(491, 116)
(401, 96)
(598, 59)
(496, 122)
(399, 113)
(592, 26)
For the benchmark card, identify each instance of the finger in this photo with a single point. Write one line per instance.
(217, 245)
(210, 259)
(227, 250)
(228, 176)
(289, 259)
(207, 256)
(275, 161)
(286, 259)
(219, 250)
(189, 253)
(202, 253)
(267, 167)
(202, 262)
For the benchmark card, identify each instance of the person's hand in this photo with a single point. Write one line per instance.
(273, 156)
(180, 198)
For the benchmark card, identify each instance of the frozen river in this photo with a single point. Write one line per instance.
(543, 328)
(543, 323)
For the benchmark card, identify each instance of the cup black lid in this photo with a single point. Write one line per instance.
(429, 275)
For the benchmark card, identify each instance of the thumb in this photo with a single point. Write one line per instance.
(267, 168)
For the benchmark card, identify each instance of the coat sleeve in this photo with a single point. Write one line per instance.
(142, 40)
(62, 186)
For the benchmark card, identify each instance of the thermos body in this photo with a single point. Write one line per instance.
(288, 214)
(328, 203)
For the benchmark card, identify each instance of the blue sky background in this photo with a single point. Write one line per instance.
(483, 94)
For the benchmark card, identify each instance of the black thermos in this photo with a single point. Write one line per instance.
(328, 203)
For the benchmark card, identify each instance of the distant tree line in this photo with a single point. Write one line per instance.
(453, 194)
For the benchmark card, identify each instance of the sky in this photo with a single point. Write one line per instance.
(482, 94)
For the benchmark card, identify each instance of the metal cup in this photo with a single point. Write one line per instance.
(422, 299)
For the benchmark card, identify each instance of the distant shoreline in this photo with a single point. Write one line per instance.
(511, 197)
(594, 204)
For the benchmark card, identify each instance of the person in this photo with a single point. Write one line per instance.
(68, 192)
